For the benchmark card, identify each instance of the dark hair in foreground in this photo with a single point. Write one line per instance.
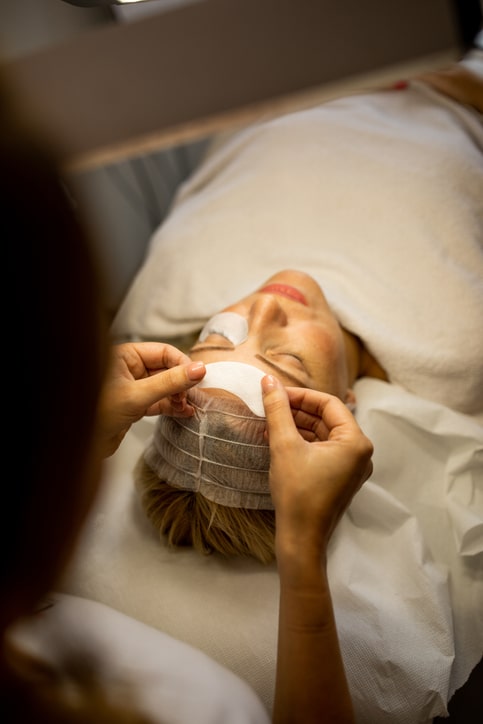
(56, 354)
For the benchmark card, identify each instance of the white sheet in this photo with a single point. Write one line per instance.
(406, 566)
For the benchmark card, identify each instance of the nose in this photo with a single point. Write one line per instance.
(266, 312)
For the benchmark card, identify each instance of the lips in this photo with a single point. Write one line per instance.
(285, 290)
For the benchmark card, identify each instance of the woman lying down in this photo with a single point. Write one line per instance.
(402, 299)
(204, 479)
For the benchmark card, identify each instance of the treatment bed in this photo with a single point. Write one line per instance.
(406, 561)
(405, 567)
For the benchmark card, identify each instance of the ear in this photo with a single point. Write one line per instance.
(350, 399)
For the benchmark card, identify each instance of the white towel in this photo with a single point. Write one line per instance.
(378, 196)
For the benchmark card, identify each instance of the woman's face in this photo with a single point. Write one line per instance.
(291, 332)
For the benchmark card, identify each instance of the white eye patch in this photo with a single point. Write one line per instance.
(227, 324)
(239, 378)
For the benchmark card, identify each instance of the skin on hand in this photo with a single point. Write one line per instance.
(147, 378)
(319, 460)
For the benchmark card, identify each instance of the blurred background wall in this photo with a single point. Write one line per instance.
(125, 201)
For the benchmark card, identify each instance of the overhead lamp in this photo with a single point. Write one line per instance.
(125, 89)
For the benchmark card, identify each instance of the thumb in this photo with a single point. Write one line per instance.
(280, 423)
(172, 381)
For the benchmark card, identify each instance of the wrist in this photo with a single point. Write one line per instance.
(301, 566)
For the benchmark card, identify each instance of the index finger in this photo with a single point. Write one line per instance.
(151, 391)
(335, 415)
(151, 357)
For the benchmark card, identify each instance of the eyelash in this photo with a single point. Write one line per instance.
(292, 356)
(286, 354)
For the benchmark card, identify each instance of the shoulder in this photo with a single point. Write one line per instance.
(170, 680)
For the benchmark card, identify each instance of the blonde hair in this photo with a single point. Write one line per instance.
(187, 518)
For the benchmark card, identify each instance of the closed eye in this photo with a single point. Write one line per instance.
(290, 357)
(295, 378)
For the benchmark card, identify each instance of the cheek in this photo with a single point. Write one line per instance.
(330, 362)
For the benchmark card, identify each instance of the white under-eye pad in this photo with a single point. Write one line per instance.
(239, 378)
(228, 324)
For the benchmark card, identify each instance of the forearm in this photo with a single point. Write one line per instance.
(315, 470)
(311, 685)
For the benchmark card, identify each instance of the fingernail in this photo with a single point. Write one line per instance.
(269, 382)
(196, 370)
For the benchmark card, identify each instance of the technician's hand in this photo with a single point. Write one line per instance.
(147, 378)
(319, 460)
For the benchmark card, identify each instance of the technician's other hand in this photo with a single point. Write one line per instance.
(147, 378)
(319, 460)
